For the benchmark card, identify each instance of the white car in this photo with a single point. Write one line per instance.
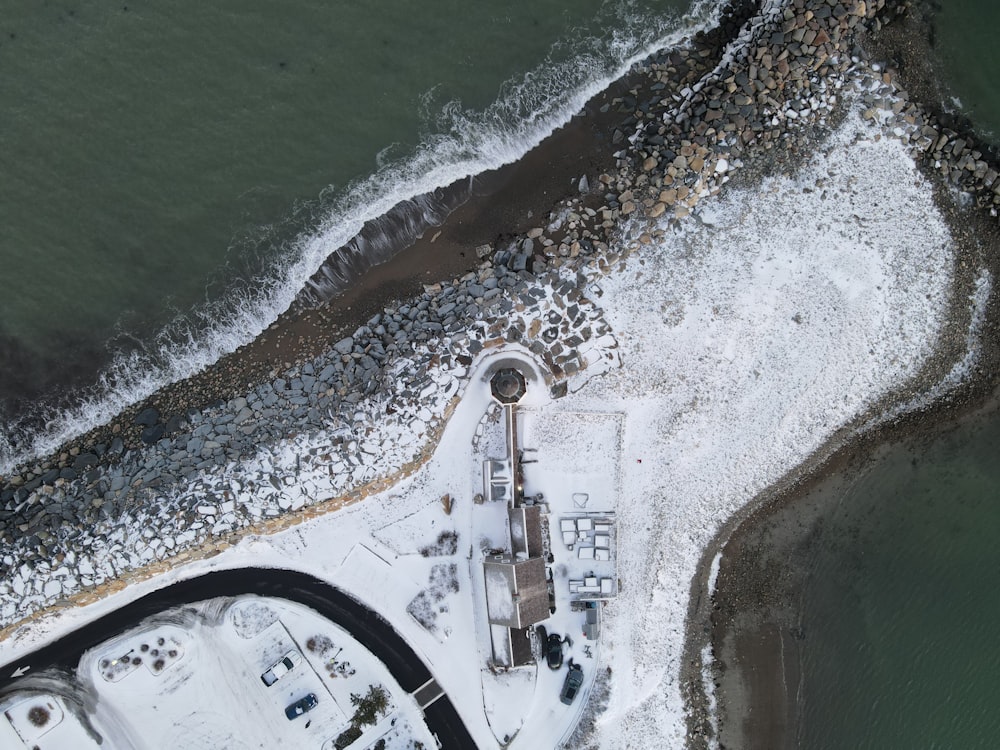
(280, 668)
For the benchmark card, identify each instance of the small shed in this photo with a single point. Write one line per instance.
(592, 624)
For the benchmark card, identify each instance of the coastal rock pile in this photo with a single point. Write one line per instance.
(772, 89)
(323, 430)
(955, 156)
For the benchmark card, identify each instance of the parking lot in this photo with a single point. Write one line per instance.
(191, 678)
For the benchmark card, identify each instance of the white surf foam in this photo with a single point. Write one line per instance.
(463, 143)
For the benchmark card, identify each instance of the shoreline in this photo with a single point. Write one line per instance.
(406, 275)
(749, 618)
(530, 184)
(255, 405)
(444, 251)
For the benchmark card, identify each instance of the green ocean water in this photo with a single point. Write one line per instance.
(901, 607)
(969, 58)
(174, 172)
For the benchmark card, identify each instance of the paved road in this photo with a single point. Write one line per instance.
(371, 630)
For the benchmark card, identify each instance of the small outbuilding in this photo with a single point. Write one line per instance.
(508, 385)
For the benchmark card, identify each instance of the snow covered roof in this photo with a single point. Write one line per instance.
(517, 595)
(508, 385)
(525, 530)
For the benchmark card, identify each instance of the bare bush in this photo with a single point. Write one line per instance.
(319, 643)
(426, 605)
(446, 544)
(39, 715)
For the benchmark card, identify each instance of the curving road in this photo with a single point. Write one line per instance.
(370, 629)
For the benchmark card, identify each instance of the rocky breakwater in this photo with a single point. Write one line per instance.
(770, 96)
(159, 488)
(325, 430)
(749, 94)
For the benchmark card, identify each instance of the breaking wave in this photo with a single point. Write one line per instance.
(360, 228)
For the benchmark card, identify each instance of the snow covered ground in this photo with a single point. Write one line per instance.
(746, 340)
(191, 679)
(42, 721)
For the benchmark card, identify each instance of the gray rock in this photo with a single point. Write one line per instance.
(85, 460)
(147, 417)
(344, 346)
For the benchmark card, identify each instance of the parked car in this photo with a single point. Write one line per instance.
(571, 685)
(280, 668)
(301, 706)
(554, 651)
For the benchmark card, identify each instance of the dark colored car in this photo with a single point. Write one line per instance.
(554, 651)
(571, 685)
(301, 706)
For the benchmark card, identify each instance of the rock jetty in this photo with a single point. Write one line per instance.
(365, 411)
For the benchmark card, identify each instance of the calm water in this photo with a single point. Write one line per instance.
(966, 33)
(173, 172)
(901, 609)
